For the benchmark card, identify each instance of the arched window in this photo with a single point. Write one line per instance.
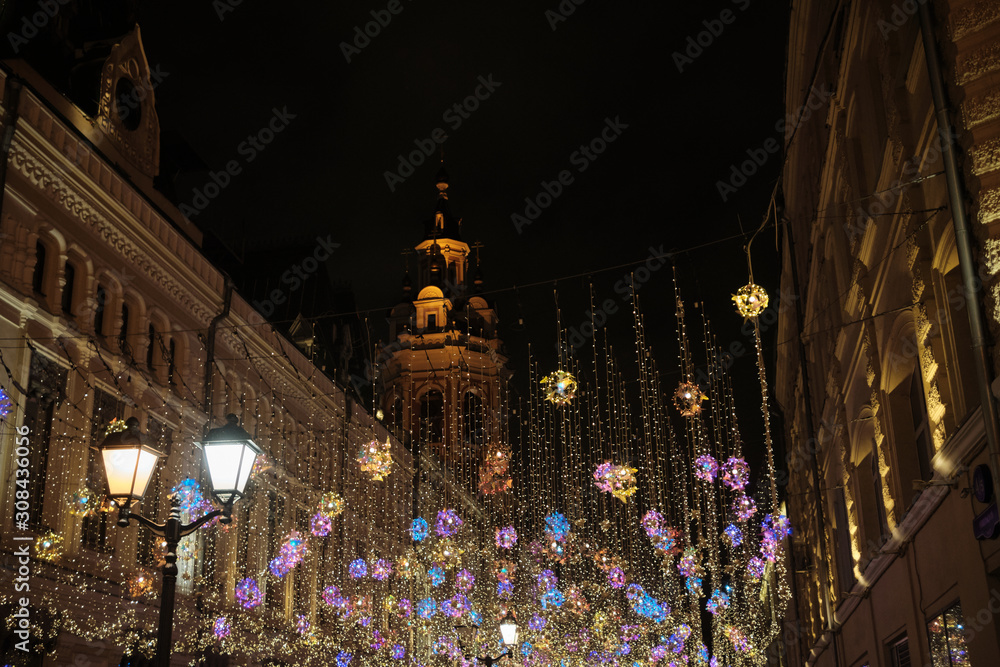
(101, 302)
(150, 348)
(172, 361)
(473, 432)
(123, 333)
(432, 416)
(69, 273)
(38, 277)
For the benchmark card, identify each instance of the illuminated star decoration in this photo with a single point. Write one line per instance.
(139, 583)
(619, 481)
(49, 546)
(560, 387)
(221, 628)
(706, 468)
(750, 300)
(736, 636)
(344, 659)
(735, 473)
(652, 523)
(436, 575)
(493, 477)
(115, 426)
(718, 602)
(688, 398)
(248, 595)
(418, 529)
(464, 581)
(616, 577)
(84, 502)
(506, 537)
(331, 504)
(5, 403)
(376, 459)
(301, 624)
(744, 507)
(448, 523)
(733, 535)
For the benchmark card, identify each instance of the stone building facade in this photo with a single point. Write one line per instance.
(888, 569)
(109, 309)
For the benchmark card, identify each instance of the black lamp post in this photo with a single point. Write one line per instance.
(129, 462)
(469, 632)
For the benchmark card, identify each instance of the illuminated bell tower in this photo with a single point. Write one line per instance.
(443, 372)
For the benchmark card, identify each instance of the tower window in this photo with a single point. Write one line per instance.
(149, 347)
(432, 416)
(102, 299)
(432, 321)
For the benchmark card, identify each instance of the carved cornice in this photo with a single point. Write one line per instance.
(65, 197)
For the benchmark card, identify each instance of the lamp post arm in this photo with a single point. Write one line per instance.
(225, 512)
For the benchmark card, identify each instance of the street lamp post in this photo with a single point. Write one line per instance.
(129, 462)
(468, 632)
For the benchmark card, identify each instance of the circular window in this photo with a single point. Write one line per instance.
(127, 104)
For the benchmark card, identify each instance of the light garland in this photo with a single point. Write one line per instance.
(560, 387)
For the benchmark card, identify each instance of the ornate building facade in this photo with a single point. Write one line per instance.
(109, 309)
(877, 371)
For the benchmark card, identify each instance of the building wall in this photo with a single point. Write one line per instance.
(889, 366)
(74, 191)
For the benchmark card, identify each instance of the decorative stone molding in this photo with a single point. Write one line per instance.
(65, 197)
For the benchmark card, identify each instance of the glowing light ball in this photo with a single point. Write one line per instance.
(505, 590)
(376, 459)
(320, 525)
(718, 602)
(556, 527)
(465, 580)
(448, 523)
(688, 564)
(398, 652)
(740, 641)
(49, 546)
(756, 567)
(706, 468)
(652, 523)
(331, 504)
(735, 473)
(576, 601)
(552, 597)
(547, 580)
(405, 608)
(418, 529)
(248, 595)
(733, 535)
(616, 577)
(506, 538)
(436, 575)
(750, 300)
(688, 398)
(668, 542)
(6, 404)
(344, 659)
(84, 503)
(617, 480)
(537, 623)
(560, 387)
(139, 583)
(331, 596)
(358, 568)
(377, 641)
(221, 628)
(447, 554)
(382, 569)
(744, 507)
(301, 624)
(693, 585)
(493, 477)
(188, 491)
(426, 608)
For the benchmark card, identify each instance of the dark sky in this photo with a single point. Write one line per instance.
(228, 68)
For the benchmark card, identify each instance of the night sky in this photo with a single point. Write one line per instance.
(558, 74)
